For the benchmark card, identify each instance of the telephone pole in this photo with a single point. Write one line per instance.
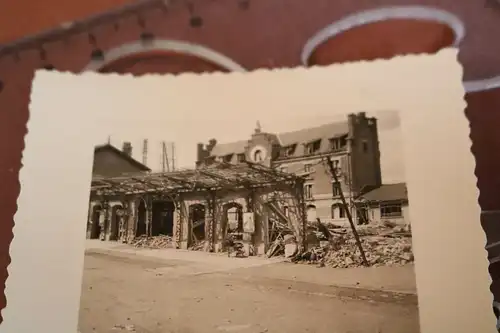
(165, 165)
(145, 152)
(173, 156)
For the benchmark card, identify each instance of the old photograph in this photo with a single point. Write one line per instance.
(289, 227)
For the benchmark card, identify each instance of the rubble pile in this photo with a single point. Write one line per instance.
(384, 245)
(153, 242)
(197, 246)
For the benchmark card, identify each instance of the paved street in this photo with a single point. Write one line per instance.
(168, 291)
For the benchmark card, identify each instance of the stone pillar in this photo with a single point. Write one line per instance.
(218, 214)
(210, 216)
(261, 217)
(104, 220)
(88, 230)
(149, 216)
(179, 215)
(131, 221)
(184, 225)
(123, 228)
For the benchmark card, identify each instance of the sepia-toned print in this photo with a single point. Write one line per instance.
(316, 215)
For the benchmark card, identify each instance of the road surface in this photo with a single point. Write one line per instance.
(125, 292)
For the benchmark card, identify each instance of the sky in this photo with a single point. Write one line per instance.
(185, 149)
(188, 109)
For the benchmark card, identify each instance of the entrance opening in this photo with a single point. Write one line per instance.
(116, 215)
(311, 213)
(141, 219)
(362, 214)
(95, 229)
(232, 221)
(162, 222)
(197, 222)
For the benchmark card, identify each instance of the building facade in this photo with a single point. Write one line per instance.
(352, 145)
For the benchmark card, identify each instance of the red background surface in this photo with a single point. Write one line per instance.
(262, 34)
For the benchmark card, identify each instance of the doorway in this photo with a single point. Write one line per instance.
(197, 223)
(95, 230)
(162, 222)
(141, 219)
(116, 215)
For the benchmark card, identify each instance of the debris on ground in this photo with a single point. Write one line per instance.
(129, 328)
(153, 242)
(383, 244)
(198, 246)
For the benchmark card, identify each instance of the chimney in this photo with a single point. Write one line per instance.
(200, 152)
(127, 148)
(211, 144)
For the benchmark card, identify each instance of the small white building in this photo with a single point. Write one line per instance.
(389, 202)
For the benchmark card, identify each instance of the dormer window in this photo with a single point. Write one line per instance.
(288, 151)
(338, 143)
(241, 158)
(227, 158)
(313, 147)
(210, 160)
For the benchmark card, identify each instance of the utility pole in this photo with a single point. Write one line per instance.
(173, 156)
(145, 152)
(165, 164)
(333, 171)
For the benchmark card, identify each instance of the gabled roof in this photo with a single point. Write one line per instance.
(123, 155)
(300, 137)
(387, 192)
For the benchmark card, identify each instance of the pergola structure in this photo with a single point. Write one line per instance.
(216, 177)
(216, 180)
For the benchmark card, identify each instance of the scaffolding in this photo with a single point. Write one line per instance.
(220, 176)
(210, 182)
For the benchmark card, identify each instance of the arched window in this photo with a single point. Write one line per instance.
(338, 211)
(311, 213)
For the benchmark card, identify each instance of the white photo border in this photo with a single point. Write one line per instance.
(44, 284)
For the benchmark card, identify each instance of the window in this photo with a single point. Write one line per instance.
(393, 210)
(338, 143)
(228, 158)
(341, 211)
(307, 167)
(288, 150)
(313, 147)
(285, 211)
(336, 165)
(308, 191)
(336, 189)
(241, 158)
(365, 146)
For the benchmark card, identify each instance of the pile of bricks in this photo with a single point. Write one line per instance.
(153, 242)
(383, 246)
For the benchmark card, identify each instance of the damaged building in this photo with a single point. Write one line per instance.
(198, 208)
(352, 145)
